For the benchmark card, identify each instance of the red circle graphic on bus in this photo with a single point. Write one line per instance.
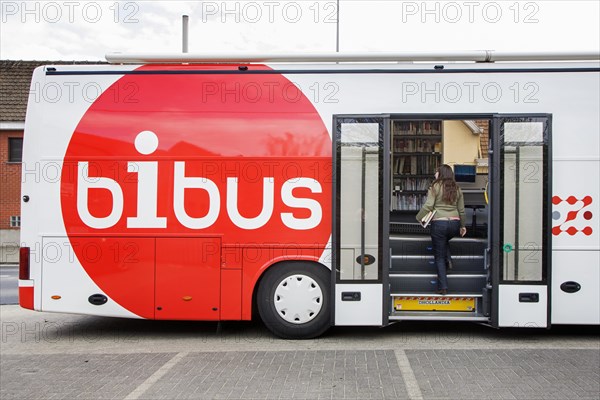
(237, 157)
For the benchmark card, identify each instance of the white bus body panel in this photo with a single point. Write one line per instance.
(60, 267)
(580, 307)
(367, 311)
(513, 313)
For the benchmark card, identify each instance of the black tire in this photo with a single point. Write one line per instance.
(305, 273)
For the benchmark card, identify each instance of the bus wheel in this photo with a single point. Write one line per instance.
(293, 300)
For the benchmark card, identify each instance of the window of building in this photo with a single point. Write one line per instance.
(15, 149)
(15, 221)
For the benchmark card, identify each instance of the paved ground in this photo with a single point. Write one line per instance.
(54, 356)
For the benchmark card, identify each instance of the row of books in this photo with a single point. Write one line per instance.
(412, 184)
(417, 127)
(417, 145)
(414, 165)
(408, 202)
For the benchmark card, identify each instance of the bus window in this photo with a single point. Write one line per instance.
(358, 177)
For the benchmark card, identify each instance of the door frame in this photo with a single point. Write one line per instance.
(384, 188)
(494, 192)
(497, 208)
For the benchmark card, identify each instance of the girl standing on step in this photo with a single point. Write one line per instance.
(446, 198)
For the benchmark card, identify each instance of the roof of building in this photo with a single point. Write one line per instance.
(15, 80)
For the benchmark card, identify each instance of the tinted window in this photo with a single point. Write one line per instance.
(15, 149)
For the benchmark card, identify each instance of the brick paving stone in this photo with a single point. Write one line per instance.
(76, 376)
(333, 374)
(498, 374)
(507, 374)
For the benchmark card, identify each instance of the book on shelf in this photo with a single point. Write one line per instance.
(412, 184)
(427, 128)
(408, 202)
(400, 169)
(417, 128)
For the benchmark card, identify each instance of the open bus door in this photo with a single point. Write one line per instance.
(360, 219)
(520, 199)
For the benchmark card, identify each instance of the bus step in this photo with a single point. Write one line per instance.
(436, 316)
(443, 303)
(426, 264)
(421, 245)
(427, 283)
(429, 294)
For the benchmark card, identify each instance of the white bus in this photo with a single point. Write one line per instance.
(203, 188)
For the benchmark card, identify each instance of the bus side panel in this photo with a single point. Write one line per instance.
(231, 294)
(580, 307)
(575, 222)
(53, 112)
(188, 278)
(67, 287)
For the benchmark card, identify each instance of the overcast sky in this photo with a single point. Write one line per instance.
(87, 30)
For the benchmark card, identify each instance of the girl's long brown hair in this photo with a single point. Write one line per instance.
(446, 181)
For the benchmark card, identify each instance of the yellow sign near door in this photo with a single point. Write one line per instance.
(434, 303)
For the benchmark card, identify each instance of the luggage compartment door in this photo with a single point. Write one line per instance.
(188, 278)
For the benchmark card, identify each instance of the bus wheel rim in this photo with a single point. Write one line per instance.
(298, 299)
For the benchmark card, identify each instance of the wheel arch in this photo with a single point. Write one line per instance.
(277, 264)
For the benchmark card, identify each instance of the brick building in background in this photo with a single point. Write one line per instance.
(15, 81)
(15, 78)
